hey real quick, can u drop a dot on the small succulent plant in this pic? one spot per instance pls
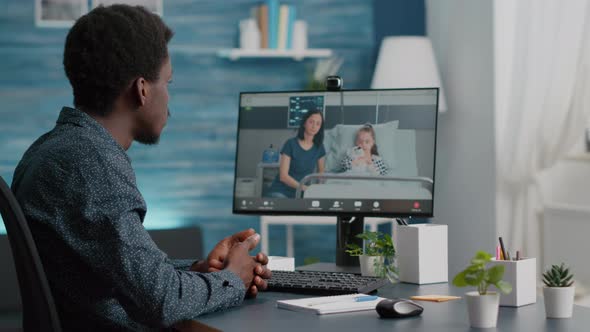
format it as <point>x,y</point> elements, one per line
<point>558,276</point>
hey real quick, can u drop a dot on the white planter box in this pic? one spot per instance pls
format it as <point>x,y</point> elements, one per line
<point>521,275</point>
<point>482,309</point>
<point>422,253</point>
<point>367,264</point>
<point>559,301</point>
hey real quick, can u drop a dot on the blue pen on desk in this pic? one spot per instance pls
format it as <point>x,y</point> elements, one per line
<point>365,298</point>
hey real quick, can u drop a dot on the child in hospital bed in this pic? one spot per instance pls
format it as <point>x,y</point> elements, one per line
<point>363,158</point>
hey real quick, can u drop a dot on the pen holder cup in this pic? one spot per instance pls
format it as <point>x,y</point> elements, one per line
<point>422,253</point>
<point>521,275</point>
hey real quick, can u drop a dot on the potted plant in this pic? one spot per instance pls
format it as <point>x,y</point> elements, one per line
<point>482,305</point>
<point>377,258</point>
<point>558,292</point>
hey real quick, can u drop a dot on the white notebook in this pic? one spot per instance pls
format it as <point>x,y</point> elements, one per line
<point>332,304</point>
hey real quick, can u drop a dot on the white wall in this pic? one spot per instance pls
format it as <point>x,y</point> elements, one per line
<point>462,37</point>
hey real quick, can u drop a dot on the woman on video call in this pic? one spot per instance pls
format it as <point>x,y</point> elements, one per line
<point>300,156</point>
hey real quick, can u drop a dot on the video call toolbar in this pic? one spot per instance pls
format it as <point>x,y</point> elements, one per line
<point>333,205</point>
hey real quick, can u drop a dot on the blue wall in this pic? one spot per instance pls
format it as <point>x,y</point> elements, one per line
<point>187,179</point>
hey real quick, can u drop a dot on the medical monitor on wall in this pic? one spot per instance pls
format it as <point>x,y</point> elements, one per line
<point>350,153</point>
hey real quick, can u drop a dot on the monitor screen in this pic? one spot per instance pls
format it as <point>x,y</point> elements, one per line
<point>350,152</point>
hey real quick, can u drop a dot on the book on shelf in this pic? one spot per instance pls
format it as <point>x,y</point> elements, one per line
<point>283,23</point>
<point>275,22</point>
<point>290,25</point>
<point>262,17</point>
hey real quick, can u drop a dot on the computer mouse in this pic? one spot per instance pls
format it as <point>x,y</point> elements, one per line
<point>398,308</point>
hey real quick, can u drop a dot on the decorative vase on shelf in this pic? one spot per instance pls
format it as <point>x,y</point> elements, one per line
<point>299,35</point>
<point>249,34</point>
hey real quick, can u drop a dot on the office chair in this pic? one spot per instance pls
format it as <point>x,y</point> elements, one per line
<point>39,312</point>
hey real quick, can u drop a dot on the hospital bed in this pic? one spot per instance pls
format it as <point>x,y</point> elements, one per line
<point>397,147</point>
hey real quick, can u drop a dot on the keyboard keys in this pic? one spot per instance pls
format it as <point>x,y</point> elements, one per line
<point>322,283</point>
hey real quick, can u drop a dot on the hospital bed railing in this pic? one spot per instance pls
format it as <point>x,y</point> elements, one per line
<point>426,182</point>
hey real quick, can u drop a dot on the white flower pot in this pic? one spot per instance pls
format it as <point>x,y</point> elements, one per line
<point>483,309</point>
<point>559,301</point>
<point>368,263</point>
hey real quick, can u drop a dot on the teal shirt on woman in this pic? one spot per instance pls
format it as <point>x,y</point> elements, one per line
<point>303,163</point>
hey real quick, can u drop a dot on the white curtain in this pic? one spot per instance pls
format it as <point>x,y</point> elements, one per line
<point>546,85</point>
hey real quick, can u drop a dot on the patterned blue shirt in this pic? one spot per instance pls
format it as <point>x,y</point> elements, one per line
<point>78,191</point>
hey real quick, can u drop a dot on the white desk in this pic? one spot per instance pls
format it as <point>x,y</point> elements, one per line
<point>289,221</point>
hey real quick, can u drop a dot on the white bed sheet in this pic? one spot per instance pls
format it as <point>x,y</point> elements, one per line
<point>368,189</point>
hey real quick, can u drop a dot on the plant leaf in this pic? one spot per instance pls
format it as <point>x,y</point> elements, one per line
<point>564,273</point>
<point>474,279</point>
<point>459,280</point>
<point>547,281</point>
<point>503,286</point>
<point>477,261</point>
<point>483,255</point>
<point>495,274</point>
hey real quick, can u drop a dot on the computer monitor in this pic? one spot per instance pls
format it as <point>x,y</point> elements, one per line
<point>350,154</point>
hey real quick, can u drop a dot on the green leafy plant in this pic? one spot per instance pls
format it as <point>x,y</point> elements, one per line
<point>377,244</point>
<point>315,85</point>
<point>477,275</point>
<point>558,276</point>
<point>323,68</point>
<point>311,260</point>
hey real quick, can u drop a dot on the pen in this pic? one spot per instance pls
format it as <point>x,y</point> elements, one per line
<point>365,298</point>
<point>503,249</point>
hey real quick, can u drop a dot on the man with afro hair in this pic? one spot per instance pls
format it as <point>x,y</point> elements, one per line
<point>78,191</point>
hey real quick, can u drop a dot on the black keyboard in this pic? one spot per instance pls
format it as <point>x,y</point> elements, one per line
<point>322,283</point>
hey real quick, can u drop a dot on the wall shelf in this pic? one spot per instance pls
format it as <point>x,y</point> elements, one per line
<point>237,53</point>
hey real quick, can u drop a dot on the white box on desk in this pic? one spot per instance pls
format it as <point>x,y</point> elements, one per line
<point>422,253</point>
<point>521,274</point>
<point>279,263</point>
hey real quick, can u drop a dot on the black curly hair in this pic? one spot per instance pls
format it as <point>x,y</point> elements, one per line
<point>110,47</point>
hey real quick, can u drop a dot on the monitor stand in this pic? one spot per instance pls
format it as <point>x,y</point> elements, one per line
<point>346,230</point>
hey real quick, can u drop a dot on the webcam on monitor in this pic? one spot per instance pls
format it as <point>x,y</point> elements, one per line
<point>334,83</point>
